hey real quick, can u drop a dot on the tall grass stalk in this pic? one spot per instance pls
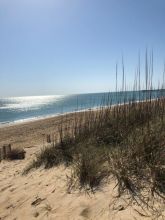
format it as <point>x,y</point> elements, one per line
<point>126,141</point>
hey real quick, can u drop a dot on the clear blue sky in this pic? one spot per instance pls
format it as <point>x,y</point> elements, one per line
<point>71,46</point>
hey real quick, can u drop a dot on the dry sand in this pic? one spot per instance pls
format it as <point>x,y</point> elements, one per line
<point>42,194</point>
<point>31,133</point>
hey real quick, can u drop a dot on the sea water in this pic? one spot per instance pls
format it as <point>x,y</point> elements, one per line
<point>18,109</point>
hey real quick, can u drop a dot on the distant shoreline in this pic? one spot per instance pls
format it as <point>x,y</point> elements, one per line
<point>30,133</point>
<point>25,110</point>
<point>41,118</point>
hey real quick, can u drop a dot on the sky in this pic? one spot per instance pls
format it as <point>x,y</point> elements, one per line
<point>53,47</point>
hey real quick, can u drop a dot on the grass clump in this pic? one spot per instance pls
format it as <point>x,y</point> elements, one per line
<point>53,155</point>
<point>89,169</point>
<point>16,154</point>
<point>48,157</point>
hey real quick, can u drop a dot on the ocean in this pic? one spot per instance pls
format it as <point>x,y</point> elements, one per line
<point>20,109</point>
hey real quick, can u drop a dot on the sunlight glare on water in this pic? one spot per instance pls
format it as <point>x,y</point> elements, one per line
<point>29,102</point>
<point>17,109</point>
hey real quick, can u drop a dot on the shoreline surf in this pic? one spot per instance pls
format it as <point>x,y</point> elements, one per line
<point>41,118</point>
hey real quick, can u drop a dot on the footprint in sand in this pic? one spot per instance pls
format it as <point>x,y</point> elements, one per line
<point>12,189</point>
<point>85,212</point>
<point>3,189</point>
<point>37,201</point>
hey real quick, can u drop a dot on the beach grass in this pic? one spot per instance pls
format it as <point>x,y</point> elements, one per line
<point>124,142</point>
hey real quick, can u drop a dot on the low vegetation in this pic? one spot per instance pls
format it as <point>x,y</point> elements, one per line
<point>16,154</point>
<point>125,142</point>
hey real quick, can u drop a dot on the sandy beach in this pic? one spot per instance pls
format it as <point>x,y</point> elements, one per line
<point>28,134</point>
<point>42,194</point>
<point>82,110</point>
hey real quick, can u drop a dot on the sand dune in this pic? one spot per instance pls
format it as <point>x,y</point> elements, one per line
<point>42,194</point>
